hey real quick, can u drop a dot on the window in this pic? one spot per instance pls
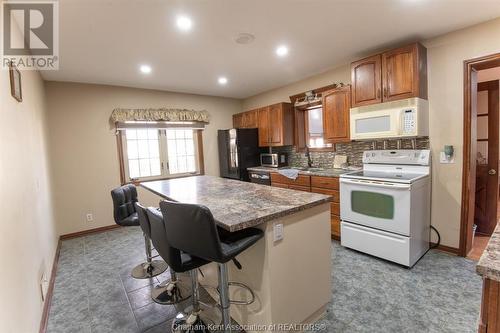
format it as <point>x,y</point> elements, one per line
<point>314,129</point>
<point>160,153</point>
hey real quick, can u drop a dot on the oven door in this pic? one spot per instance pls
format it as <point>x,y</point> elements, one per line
<point>381,205</point>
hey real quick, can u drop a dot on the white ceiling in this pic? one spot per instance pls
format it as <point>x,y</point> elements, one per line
<point>105,41</point>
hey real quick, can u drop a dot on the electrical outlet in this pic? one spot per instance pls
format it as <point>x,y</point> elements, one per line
<point>90,217</point>
<point>278,232</point>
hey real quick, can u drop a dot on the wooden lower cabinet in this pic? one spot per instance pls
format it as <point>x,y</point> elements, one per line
<point>490,307</point>
<point>316,184</point>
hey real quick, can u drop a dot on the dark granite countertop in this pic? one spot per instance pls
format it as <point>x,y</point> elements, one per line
<point>321,173</point>
<point>489,263</point>
<point>235,204</point>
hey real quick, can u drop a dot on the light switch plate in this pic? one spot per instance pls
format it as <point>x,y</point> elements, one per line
<point>444,160</point>
<point>278,232</point>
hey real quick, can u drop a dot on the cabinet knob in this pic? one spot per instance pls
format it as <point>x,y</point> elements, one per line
<point>492,172</point>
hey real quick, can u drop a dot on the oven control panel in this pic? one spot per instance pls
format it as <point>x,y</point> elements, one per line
<point>401,156</point>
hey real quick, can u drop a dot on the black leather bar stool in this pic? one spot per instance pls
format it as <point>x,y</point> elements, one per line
<point>151,267</point>
<point>171,291</point>
<point>125,214</point>
<point>192,229</point>
<point>198,315</point>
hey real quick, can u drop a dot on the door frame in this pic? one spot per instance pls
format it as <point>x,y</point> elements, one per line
<point>469,161</point>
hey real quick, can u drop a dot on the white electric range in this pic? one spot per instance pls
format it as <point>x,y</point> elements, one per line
<point>385,208</point>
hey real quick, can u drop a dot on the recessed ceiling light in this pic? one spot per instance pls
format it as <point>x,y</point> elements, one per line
<point>146,69</point>
<point>184,23</point>
<point>222,80</point>
<point>281,51</point>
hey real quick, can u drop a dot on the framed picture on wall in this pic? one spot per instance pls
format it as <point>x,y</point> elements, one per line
<point>15,83</point>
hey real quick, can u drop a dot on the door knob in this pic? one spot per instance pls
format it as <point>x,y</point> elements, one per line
<point>492,172</point>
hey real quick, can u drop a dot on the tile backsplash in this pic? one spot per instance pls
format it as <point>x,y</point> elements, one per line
<point>354,151</point>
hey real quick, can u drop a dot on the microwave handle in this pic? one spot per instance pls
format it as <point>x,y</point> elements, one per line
<point>376,184</point>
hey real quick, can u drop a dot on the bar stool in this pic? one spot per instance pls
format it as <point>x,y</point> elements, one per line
<point>198,314</point>
<point>126,215</point>
<point>192,229</point>
<point>150,268</point>
<point>170,291</point>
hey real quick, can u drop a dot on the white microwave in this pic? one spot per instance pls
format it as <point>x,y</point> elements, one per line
<point>399,119</point>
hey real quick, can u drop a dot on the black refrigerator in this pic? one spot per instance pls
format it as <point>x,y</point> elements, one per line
<point>238,150</point>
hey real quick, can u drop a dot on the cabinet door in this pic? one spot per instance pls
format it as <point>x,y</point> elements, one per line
<point>336,105</point>
<point>275,124</point>
<point>263,122</point>
<point>250,119</point>
<point>366,81</point>
<point>399,73</point>
<point>238,120</point>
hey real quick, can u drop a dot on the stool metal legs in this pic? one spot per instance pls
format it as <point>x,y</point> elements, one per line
<point>171,291</point>
<point>151,267</point>
<point>224,297</point>
<point>199,316</point>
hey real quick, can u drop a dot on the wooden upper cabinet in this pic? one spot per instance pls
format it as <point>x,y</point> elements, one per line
<point>245,119</point>
<point>275,118</point>
<point>238,120</point>
<point>396,74</point>
<point>263,122</point>
<point>366,81</point>
<point>336,106</point>
<point>275,125</point>
<point>404,73</point>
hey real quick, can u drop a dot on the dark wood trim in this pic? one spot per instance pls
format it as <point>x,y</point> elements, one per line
<point>444,248</point>
<point>50,291</point>
<point>482,115</point>
<point>201,158</point>
<point>121,161</point>
<point>337,238</point>
<point>89,232</point>
<point>468,165</point>
<point>487,85</point>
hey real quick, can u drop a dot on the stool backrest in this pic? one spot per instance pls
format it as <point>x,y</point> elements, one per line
<point>192,229</point>
<point>124,198</point>
<point>143,219</point>
<point>172,256</point>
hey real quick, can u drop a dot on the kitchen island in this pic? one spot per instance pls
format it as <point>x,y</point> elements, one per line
<point>291,277</point>
<point>489,268</point>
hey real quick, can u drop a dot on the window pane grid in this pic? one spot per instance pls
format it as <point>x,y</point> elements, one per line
<point>181,156</point>
<point>143,153</point>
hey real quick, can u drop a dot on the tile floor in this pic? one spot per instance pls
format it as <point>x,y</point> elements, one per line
<point>95,293</point>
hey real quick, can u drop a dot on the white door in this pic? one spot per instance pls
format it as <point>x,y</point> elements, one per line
<point>381,205</point>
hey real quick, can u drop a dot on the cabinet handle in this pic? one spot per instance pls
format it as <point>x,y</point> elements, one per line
<point>378,93</point>
<point>385,92</point>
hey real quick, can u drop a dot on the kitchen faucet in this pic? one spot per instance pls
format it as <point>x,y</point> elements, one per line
<point>309,159</point>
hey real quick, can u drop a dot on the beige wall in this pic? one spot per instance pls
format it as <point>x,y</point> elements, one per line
<point>83,147</point>
<point>27,230</point>
<point>445,69</point>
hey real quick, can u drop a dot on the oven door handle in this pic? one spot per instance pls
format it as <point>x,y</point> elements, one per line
<point>376,184</point>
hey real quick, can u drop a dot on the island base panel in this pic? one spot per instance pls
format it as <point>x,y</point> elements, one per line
<point>291,278</point>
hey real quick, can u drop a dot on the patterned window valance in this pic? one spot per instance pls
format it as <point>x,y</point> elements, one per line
<point>161,114</point>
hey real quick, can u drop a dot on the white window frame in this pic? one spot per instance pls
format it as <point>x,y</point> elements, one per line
<point>164,165</point>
